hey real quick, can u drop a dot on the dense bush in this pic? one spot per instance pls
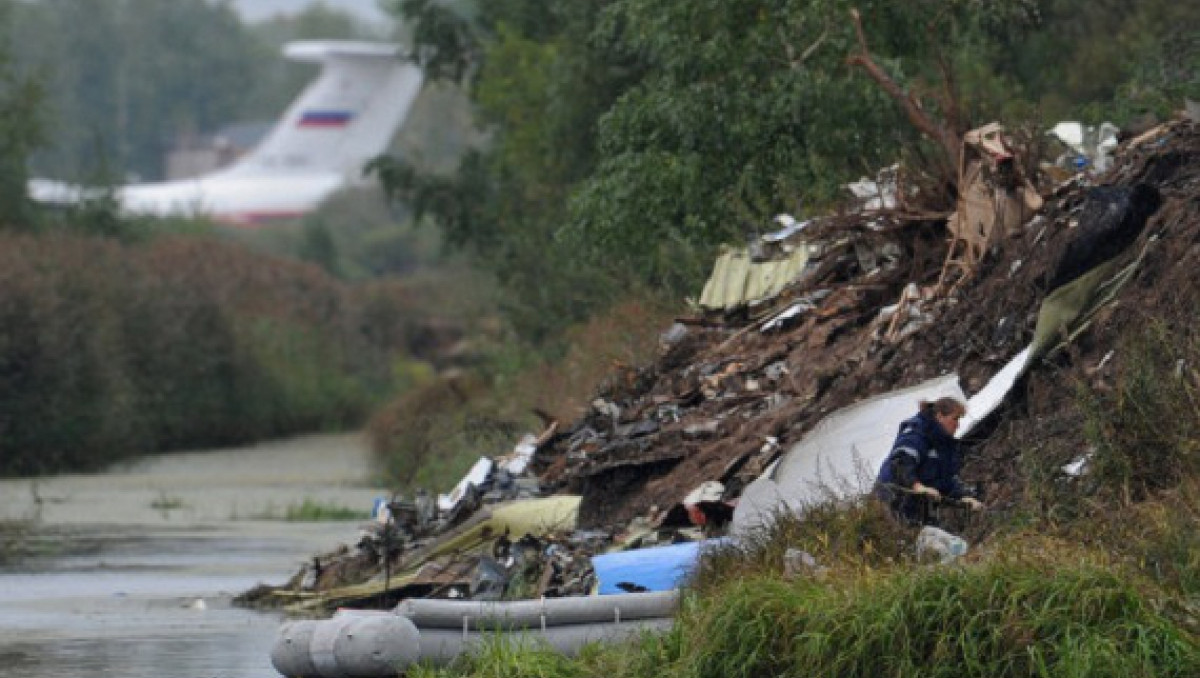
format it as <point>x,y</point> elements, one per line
<point>432,434</point>
<point>109,350</point>
<point>428,437</point>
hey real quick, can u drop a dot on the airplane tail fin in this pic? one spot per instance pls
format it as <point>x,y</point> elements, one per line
<point>343,118</point>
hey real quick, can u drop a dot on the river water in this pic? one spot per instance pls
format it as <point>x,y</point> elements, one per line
<point>135,568</point>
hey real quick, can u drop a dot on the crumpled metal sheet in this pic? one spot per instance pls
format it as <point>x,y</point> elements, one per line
<point>738,280</point>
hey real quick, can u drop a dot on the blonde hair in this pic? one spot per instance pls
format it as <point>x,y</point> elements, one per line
<point>943,406</point>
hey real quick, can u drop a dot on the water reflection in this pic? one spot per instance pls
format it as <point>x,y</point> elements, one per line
<point>131,624</point>
<point>212,655</point>
<point>117,593</point>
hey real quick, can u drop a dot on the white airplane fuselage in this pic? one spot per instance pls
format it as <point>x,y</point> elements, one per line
<point>343,119</point>
<point>237,200</point>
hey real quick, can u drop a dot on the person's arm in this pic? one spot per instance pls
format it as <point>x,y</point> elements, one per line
<point>966,495</point>
<point>904,469</point>
<point>959,489</point>
<point>907,454</point>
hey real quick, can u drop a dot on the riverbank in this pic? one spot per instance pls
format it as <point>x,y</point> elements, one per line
<point>247,484</point>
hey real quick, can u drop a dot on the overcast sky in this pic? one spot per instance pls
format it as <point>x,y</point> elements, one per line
<point>257,10</point>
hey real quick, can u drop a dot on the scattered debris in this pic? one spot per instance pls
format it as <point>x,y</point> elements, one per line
<point>797,563</point>
<point>936,543</point>
<point>1088,146</point>
<point>995,201</point>
<point>841,333</point>
<point>1077,467</point>
<point>743,279</point>
<point>813,343</point>
<point>656,568</point>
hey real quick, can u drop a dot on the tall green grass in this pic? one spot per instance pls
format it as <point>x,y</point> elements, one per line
<point>1005,618</point>
<point>1025,604</point>
<point>1137,424</point>
<point>1008,618</point>
<point>1145,429</point>
<point>850,535</point>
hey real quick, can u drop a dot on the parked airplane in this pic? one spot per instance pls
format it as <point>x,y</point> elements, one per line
<point>340,121</point>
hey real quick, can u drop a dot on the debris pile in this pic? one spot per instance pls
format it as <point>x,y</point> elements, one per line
<point>866,306</point>
<point>494,536</point>
<point>494,530</point>
<point>889,296</point>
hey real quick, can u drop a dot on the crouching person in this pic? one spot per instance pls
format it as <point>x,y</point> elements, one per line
<point>922,468</point>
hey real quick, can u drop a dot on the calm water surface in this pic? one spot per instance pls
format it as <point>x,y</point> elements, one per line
<point>139,564</point>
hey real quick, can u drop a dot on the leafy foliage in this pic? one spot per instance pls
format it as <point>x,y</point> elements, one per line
<point>21,132</point>
<point>632,137</point>
<point>447,44</point>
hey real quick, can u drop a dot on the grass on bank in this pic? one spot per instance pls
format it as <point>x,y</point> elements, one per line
<point>310,511</point>
<point>1020,614</point>
<point>13,539</point>
<point>165,503</point>
<point>307,511</point>
<point>1138,496</point>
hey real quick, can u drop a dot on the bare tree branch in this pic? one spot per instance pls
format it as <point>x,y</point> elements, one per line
<point>793,61</point>
<point>947,139</point>
<point>813,47</point>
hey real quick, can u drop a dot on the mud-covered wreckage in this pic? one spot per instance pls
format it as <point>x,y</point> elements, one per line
<point>806,350</point>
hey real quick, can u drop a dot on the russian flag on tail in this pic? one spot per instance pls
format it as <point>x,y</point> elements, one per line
<point>325,119</point>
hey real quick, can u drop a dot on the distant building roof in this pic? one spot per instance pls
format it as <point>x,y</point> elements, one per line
<point>243,135</point>
<point>194,156</point>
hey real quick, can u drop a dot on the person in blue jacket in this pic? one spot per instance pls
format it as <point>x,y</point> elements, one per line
<point>922,468</point>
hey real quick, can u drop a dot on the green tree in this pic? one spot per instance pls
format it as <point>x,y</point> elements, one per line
<point>187,64</point>
<point>79,61</point>
<point>629,138</point>
<point>135,75</point>
<point>21,132</point>
<point>317,246</point>
<point>538,89</point>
